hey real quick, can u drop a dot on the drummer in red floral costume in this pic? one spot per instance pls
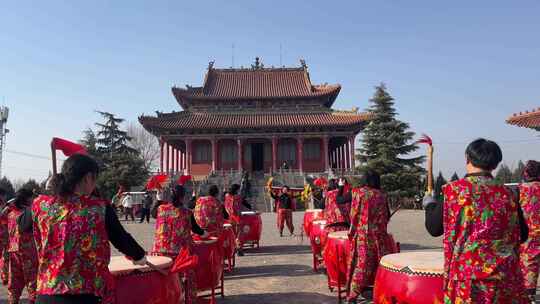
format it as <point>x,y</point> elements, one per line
<point>72,231</point>
<point>174,225</point>
<point>529,199</point>
<point>4,255</point>
<point>337,207</point>
<point>22,250</point>
<point>209,212</point>
<point>233,205</point>
<point>482,229</point>
<point>369,218</point>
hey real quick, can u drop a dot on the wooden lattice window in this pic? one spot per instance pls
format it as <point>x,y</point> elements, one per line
<point>312,150</point>
<point>202,153</point>
<point>229,153</point>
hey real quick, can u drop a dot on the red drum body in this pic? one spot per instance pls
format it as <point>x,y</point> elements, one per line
<point>336,254</point>
<point>311,215</point>
<point>229,245</point>
<point>250,228</point>
<point>210,269</point>
<point>318,236</point>
<point>411,277</point>
<point>142,285</point>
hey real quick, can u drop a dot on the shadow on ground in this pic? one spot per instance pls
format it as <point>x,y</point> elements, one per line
<point>279,250</point>
<point>269,270</point>
<point>281,298</point>
<point>407,246</point>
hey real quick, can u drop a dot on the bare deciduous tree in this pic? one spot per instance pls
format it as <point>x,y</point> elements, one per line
<point>146,143</point>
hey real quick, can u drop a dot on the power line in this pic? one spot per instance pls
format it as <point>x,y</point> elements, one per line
<point>28,154</point>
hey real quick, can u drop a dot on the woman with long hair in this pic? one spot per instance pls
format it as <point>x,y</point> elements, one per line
<point>21,247</point>
<point>369,218</point>
<point>72,230</point>
<point>174,225</point>
<point>209,212</point>
<point>529,200</point>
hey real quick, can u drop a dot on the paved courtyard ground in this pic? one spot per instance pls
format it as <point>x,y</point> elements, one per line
<point>280,271</point>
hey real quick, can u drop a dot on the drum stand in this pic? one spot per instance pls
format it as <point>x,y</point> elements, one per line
<point>213,293</point>
<point>229,263</point>
<point>341,293</point>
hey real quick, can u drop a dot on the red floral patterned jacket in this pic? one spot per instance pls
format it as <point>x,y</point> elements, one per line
<point>481,230</point>
<point>173,230</point>
<point>232,205</point>
<point>73,246</point>
<point>334,212</point>
<point>209,215</point>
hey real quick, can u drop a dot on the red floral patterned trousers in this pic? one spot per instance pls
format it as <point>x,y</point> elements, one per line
<point>4,266</point>
<point>284,216</point>
<point>22,273</point>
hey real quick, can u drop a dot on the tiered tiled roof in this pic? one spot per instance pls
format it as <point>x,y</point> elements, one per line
<point>257,83</point>
<point>528,119</point>
<point>276,121</point>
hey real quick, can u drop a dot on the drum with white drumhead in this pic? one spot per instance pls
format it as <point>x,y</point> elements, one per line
<point>142,284</point>
<point>410,277</point>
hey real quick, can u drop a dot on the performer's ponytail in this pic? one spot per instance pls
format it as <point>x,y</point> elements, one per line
<point>74,169</point>
<point>178,194</point>
<point>531,172</point>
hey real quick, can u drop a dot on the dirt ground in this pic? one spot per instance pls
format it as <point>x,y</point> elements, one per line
<point>280,270</point>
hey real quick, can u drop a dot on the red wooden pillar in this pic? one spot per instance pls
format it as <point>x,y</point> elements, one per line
<point>300,153</point>
<point>166,169</point>
<point>161,143</point>
<point>214,154</point>
<point>325,155</point>
<point>274,153</point>
<point>351,146</point>
<point>347,155</point>
<point>240,154</point>
<point>342,156</point>
<point>177,160</point>
<point>188,155</point>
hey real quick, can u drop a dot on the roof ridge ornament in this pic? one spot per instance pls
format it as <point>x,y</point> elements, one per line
<point>303,63</point>
<point>258,64</point>
<point>211,64</point>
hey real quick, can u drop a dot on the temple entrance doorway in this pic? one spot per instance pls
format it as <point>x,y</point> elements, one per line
<point>257,156</point>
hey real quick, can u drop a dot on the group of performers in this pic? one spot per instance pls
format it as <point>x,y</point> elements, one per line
<point>57,245</point>
<point>491,237</point>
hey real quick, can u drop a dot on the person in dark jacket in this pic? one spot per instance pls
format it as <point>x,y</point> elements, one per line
<point>284,206</point>
<point>147,203</point>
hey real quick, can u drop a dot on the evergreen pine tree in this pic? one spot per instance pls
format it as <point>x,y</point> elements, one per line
<point>386,141</point>
<point>454,177</point>
<point>439,183</point>
<point>518,172</point>
<point>110,138</point>
<point>6,184</point>
<point>90,142</point>
<point>122,164</point>
<point>33,185</point>
<point>504,174</point>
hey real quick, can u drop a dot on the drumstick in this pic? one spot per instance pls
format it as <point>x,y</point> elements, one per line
<point>394,212</point>
<point>154,267</point>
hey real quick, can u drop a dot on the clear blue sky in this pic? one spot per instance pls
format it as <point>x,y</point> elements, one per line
<point>457,69</point>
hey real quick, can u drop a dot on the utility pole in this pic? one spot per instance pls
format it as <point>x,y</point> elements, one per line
<point>4,113</point>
